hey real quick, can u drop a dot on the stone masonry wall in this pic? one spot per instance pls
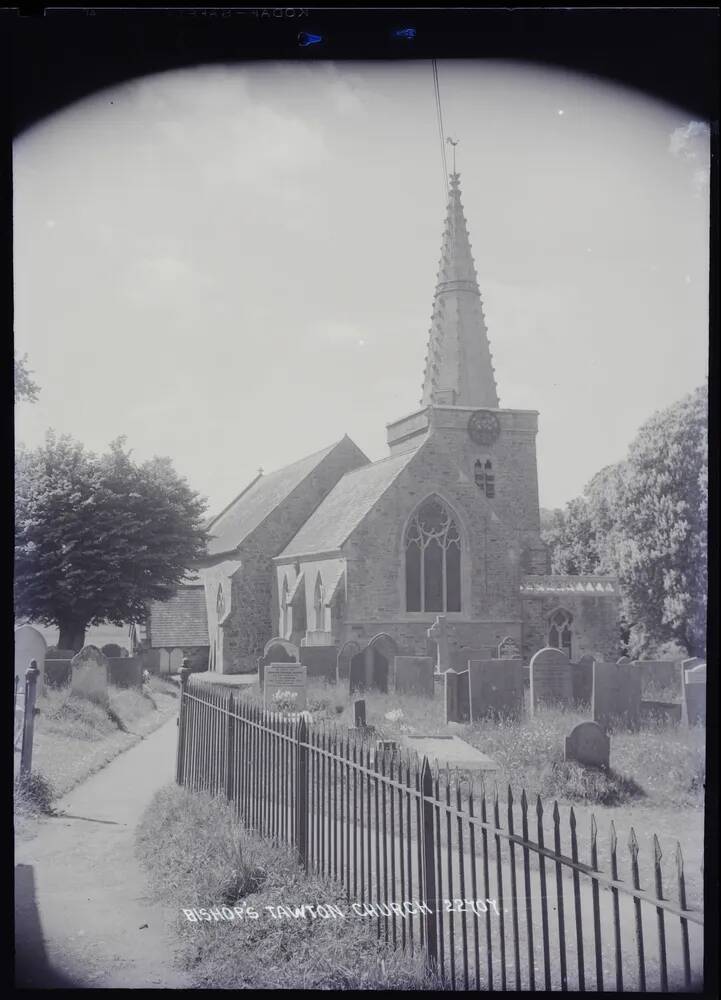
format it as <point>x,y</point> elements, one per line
<point>594,627</point>
<point>254,617</point>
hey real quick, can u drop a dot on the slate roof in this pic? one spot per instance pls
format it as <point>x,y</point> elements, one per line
<point>180,621</point>
<point>251,507</point>
<point>346,505</point>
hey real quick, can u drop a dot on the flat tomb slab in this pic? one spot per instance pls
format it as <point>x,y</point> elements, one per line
<point>451,750</point>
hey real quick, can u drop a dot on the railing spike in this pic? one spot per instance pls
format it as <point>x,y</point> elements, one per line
<point>594,828</point>
<point>510,795</point>
<point>539,806</point>
<point>679,857</point>
<point>524,800</point>
<point>614,838</point>
<point>572,819</point>
<point>632,842</point>
<point>556,813</point>
<point>657,853</point>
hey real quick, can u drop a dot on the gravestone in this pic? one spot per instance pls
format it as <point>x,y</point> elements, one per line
<point>57,672</point>
<point>509,649</point>
<point>369,668</point>
<point>457,695</point>
<point>589,745</point>
<point>125,671</point>
<point>89,674</point>
<point>462,655</point>
<point>289,677</point>
<point>321,661</point>
<point>359,713</point>
<point>276,651</point>
<point>345,654</point>
<point>623,659</point>
<point>616,694</point>
<point>551,678</point>
<point>496,688</point>
<point>30,645</point>
<point>413,675</point>
<point>659,674</point>
<point>438,633</point>
<point>582,677</point>
<point>694,695</point>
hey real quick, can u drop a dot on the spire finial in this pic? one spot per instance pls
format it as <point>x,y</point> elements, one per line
<point>454,143</point>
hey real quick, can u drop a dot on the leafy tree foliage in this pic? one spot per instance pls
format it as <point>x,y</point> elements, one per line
<point>25,388</point>
<point>645,521</point>
<point>99,536</point>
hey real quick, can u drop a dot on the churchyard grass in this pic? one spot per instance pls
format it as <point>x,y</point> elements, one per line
<point>75,737</point>
<point>198,856</point>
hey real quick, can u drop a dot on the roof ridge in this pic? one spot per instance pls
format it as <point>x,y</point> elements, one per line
<point>273,472</point>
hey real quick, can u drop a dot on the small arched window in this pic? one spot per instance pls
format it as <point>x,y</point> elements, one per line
<point>318,604</point>
<point>484,477</point>
<point>220,603</point>
<point>432,547</point>
<point>559,630</point>
<point>284,614</point>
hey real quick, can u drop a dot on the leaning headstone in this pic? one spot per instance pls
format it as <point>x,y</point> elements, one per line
<point>589,745</point>
<point>285,682</point>
<point>438,633</point>
<point>582,678</point>
<point>616,694</point>
<point>276,651</point>
<point>551,679</point>
<point>496,688</point>
<point>509,649</point>
<point>359,713</point>
<point>345,654</point>
<point>30,645</point>
<point>457,696</point>
<point>89,674</point>
<point>369,668</point>
<point>694,695</point>
<point>413,675</point>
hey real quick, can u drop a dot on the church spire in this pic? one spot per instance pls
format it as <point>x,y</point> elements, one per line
<point>458,365</point>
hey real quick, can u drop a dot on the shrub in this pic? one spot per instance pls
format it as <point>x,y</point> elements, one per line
<point>33,793</point>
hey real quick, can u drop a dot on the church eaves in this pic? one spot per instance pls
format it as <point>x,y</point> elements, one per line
<point>458,370</point>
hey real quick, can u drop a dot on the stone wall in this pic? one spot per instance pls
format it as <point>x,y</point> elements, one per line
<point>254,600</point>
<point>595,623</point>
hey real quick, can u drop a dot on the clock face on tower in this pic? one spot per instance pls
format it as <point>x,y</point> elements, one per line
<point>484,427</point>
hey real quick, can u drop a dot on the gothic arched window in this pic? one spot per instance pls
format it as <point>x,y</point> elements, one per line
<point>284,609</point>
<point>559,630</point>
<point>318,602</point>
<point>485,479</point>
<point>220,603</point>
<point>433,559</point>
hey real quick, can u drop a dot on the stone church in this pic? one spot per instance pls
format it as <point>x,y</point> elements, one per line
<point>335,547</point>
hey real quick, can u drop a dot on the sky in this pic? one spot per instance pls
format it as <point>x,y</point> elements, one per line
<point>234,266</point>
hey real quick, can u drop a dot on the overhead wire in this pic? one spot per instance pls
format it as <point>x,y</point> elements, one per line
<point>439,121</point>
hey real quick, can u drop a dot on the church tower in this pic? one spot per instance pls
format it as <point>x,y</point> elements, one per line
<point>458,364</point>
<point>493,449</point>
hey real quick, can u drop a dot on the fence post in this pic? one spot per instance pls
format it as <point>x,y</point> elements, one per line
<point>229,746</point>
<point>429,870</point>
<point>31,681</point>
<point>301,793</point>
<point>182,724</point>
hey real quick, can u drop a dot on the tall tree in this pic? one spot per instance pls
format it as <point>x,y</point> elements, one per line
<point>25,387</point>
<point>644,521</point>
<point>96,537</point>
<point>660,546</point>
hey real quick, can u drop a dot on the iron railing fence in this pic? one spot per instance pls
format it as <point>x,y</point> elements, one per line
<point>440,863</point>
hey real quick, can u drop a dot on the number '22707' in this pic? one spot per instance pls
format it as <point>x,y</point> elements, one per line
<point>477,906</point>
